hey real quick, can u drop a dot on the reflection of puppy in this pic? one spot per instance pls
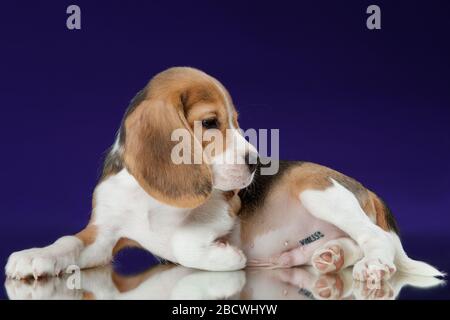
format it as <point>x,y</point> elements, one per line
<point>177,282</point>
<point>298,283</point>
<point>306,284</point>
<point>159,282</point>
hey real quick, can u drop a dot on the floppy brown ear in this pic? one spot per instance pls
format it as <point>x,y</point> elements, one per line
<point>147,156</point>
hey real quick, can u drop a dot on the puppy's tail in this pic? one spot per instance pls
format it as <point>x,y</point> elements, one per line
<point>386,220</point>
<point>410,266</point>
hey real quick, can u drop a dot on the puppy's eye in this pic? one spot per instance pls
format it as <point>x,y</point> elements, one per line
<point>210,123</point>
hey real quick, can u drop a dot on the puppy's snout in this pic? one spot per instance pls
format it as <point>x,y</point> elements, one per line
<point>251,160</point>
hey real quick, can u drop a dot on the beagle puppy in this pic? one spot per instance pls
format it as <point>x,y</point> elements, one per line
<point>190,214</point>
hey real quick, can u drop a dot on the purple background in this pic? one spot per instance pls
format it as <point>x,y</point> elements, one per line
<point>372,104</point>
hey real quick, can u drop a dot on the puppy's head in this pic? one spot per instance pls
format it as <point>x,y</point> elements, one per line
<point>189,100</point>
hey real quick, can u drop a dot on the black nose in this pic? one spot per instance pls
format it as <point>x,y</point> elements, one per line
<point>251,160</point>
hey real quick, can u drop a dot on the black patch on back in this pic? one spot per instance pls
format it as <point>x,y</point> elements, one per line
<point>255,194</point>
<point>113,160</point>
<point>112,163</point>
<point>351,185</point>
<point>137,100</point>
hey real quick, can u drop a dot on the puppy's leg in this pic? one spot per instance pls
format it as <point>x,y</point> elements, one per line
<point>197,247</point>
<point>197,243</point>
<point>340,207</point>
<point>90,247</point>
<point>336,255</point>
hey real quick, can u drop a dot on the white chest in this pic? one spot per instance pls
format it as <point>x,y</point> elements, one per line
<point>123,205</point>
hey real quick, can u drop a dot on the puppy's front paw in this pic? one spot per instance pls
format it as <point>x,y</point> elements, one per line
<point>373,270</point>
<point>36,263</point>
<point>224,257</point>
<point>48,261</point>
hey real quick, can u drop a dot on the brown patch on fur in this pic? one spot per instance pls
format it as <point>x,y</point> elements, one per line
<point>228,195</point>
<point>204,111</point>
<point>379,212</point>
<point>369,209</point>
<point>234,202</point>
<point>87,295</point>
<point>127,283</point>
<point>124,243</point>
<point>311,176</point>
<point>235,119</point>
<point>383,215</point>
<point>170,98</point>
<point>88,234</point>
<point>147,157</point>
<point>317,177</point>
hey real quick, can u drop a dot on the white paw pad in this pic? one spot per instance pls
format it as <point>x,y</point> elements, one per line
<point>328,259</point>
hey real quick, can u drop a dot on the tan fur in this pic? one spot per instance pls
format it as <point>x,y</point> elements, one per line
<point>311,176</point>
<point>234,201</point>
<point>317,177</point>
<point>124,243</point>
<point>127,283</point>
<point>379,211</point>
<point>88,234</point>
<point>147,155</point>
<point>88,295</point>
<point>175,99</point>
